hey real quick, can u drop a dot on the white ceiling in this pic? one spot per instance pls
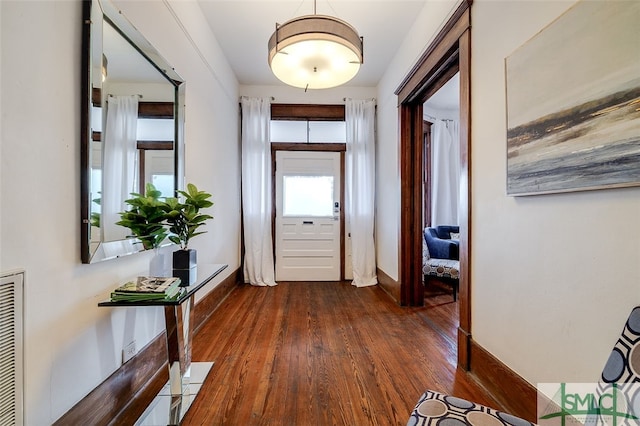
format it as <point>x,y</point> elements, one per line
<point>243,28</point>
<point>447,98</point>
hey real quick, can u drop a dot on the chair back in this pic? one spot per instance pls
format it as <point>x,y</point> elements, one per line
<point>622,370</point>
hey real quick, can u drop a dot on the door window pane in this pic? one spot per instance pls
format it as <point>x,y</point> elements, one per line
<point>96,185</point>
<point>158,169</point>
<point>307,195</point>
<point>288,131</point>
<point>164,184</point>
<point>308,131</point>
<point>96,119</point>
<point>327,131</point>
<point>155,129</point>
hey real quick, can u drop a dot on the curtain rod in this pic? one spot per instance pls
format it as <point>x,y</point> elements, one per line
<point>436,118</point>
<point>273,99</point>
<point>138,95</point>
<point>368,99</point>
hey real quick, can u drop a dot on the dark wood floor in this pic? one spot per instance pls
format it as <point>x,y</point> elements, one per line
<point>441,310</point>
<point>323,354</point>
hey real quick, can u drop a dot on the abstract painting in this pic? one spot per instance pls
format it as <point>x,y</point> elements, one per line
<point>573,102</point>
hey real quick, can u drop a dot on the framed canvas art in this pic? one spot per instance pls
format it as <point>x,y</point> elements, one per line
<point>573,102</point>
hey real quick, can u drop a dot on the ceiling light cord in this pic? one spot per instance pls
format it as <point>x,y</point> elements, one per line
<point>334,11</point>
<point>297,9</point>
<point>315,8</point>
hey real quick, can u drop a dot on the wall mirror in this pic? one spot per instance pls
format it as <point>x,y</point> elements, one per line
<point>132,128</point>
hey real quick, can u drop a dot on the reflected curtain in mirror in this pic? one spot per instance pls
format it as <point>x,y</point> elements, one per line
<point>120,162</point>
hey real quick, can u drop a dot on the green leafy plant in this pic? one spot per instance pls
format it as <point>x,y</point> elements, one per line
<point>95,216</point>
<point>184,218</point>
<point>146,217</point>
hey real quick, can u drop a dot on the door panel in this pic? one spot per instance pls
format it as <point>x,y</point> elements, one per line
<point>307,216</point>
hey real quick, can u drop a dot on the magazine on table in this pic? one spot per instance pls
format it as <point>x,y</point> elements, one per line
<point>145,297</point>
<point>159,285</point>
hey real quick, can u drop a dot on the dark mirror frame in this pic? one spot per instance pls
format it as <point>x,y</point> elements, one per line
<point>96,12</point>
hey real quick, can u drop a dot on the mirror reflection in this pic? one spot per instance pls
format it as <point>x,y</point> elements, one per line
<point>134,132</point>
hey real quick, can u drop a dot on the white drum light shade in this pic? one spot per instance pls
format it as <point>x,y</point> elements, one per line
<point>315,52</point>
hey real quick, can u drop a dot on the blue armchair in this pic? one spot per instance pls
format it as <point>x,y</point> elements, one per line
<point>440,244</point>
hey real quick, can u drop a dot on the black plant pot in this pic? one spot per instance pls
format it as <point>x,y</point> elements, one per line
<point>185,266</point>
<point>184,259</point>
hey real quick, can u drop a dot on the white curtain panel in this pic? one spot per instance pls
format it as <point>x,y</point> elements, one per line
<point>120,168</point>
<point>256,192</point>
<point>360,188</point>
<point>445,169</point>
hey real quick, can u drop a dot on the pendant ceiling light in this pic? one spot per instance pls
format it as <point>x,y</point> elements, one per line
<point>315,52</point>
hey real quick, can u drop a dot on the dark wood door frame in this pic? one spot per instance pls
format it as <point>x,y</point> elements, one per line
<point>426,173</point>
<point>449,53</point>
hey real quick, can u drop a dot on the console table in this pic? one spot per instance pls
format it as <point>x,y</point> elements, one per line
<point>185,378</point>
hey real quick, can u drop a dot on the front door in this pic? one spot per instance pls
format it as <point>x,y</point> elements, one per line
<point>307,216</point>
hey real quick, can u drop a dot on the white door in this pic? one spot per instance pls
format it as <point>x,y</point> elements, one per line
<point>307,216</point>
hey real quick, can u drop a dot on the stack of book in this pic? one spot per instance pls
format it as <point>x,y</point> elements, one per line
<point>145,289</point>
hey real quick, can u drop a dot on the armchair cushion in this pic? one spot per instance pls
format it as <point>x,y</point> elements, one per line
<point>441,248</point>
<point>447,270</point>
<point>622,369</point>
<point>623,365</point>
<point>435,408</point>
<point>425,251</point>
<point>441,268</point>
<point>445,231</point>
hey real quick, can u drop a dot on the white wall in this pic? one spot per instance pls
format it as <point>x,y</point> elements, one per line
<point>432,17</point>
<point>554,276</point>
<point>71,345</point>
<point>1,134</point>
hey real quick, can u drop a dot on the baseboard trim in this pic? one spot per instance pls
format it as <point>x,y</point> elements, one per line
<point>124,395</point>
<point>389,285</point>
<point>516,395</point>
<point>464,349</point>
<point>210,302</point>
<point>116,395</point>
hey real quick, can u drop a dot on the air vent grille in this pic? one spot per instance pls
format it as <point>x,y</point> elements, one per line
<point>11,349</point>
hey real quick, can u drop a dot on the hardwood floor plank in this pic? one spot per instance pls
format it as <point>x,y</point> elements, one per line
<point>443,311</point>
<point>322,354</point>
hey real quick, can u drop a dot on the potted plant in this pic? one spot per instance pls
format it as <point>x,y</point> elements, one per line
<point>184,220</point>
<point>146,217</point>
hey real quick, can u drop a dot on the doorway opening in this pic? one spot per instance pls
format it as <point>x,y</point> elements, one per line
<point>448,54</point>
<point>440,188</point>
